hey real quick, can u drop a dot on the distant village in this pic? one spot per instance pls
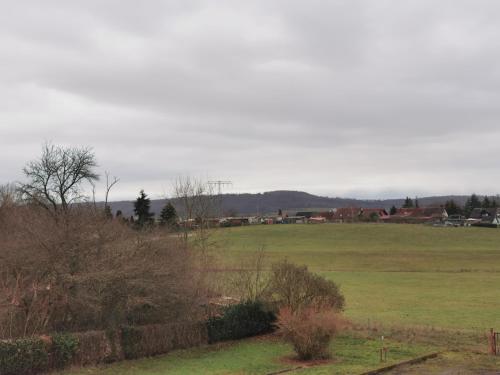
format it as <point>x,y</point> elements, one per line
<point>437,216</point>
<point>474,212</point>
<point>486,214</point>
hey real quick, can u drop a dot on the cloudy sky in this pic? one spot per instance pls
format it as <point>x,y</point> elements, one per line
<point>340,98</point>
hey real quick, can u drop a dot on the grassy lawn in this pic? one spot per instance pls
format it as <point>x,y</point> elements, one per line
<point>399,276</point>
<point>392,274</point>
<point>260,356</point>
<point>454,363</point>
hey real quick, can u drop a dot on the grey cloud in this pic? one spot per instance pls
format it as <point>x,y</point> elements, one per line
<point>346,95</point>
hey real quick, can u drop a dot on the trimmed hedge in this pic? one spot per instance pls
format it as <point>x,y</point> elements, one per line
<point>23,356</point>
<point>239,321</point>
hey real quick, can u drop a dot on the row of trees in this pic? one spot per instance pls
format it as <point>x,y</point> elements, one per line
<point>452,207</point>
<point>146,218</point>
<point>471,203</point>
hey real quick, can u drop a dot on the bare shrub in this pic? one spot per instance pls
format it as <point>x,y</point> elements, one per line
<point>80,270</point>
<point>309,331</point>
<point>295,287</point>
<point>251,281</point>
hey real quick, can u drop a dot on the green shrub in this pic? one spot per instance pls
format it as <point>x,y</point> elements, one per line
<point>239,321</point>
<point>64,347</point>
<point>23,356</point>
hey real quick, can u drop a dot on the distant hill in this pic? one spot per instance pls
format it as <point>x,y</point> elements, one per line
<point>271,202</point>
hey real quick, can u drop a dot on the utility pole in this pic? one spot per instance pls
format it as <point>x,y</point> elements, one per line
<point>220,184</point>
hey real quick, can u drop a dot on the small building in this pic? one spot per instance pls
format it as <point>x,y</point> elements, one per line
<point>419,215</point>
<point>373,214</point>
<point>485,217</point>
<point>294,219</point>
<point>456,221</point>
<point>233,221</point>
<point>316,220</point>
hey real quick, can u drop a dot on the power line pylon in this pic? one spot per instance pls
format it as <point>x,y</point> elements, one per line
<point>220,184</point>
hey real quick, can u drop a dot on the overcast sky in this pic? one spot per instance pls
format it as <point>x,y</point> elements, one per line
<point>340,98</point>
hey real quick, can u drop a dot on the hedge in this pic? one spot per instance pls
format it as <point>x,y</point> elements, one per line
<point>239,321</point>
<point>63,350</point>
<point>23,356</point>
<point>34,355</point>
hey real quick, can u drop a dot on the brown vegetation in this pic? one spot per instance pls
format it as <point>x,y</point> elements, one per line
<point>310,331</point>
<point>77,270</point>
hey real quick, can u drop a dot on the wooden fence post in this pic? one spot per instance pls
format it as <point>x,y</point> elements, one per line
<point>493,342</point>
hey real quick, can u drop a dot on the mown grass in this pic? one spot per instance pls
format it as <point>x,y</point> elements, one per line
<point>351,355</point>
<point>389,273</point>
<point>398,276</point>
<point>454,363</point>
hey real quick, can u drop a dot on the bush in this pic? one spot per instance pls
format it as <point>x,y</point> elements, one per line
<point>295,287</point>
<point>23,356</point>
<point>309,331</point>
<point>64,347</point>
<point>239,321</point>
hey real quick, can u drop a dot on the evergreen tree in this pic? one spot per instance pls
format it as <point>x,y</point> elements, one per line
<point>408,203</point>
<point>142,206</point>
<point>471,203</point>
<point>452,208</point>
<point>168,215</point>
<point>416,203</point>
<point>494,203</point>
<point>486,202</point>
<point>393,210</point>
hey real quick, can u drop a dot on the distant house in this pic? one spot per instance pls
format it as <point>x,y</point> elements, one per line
<point>456,220</point>
<point>356,214</point>
<point>419,215</point>
<point>485,217</point>
<point>344,215</point>
<point>298,219</point>
<point>373,214</point>
<point>316,220</point>
<point>234,221</point>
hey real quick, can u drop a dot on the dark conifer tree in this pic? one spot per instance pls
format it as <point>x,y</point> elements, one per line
<point>393,210</point>
<point>452,208</point>
<point>408,203</point>
<point>142,207</point>
<point>168,215</point>
<point>486,202</point>
<point>471,203</point>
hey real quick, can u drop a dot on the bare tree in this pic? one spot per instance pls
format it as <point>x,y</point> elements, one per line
<point>8,194</point>
<point>54,180</point>
<point>109,186</point>
<point>197,205</point>
<point>252,282</point>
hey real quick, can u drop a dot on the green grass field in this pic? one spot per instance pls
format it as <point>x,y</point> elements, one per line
<point>391,274</point>
<point>261,356</point>
<point>394,277</point>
